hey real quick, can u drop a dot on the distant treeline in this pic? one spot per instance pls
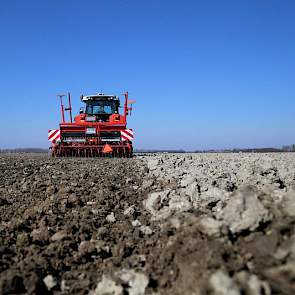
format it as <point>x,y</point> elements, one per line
<point>254,150</point>
<point>289,148</point>
<point>24,150</point>
<point>159,151</point>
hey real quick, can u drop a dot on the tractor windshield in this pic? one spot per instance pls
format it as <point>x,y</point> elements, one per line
<point>101,107</point>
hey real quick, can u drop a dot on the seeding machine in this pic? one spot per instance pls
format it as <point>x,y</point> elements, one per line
<point>98,130</point>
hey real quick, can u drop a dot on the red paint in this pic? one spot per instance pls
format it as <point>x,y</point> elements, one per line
<point>93,145</point>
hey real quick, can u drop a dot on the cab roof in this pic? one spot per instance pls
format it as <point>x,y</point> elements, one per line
<point>99,96</point>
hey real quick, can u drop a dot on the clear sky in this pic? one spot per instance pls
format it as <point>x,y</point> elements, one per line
<point>205,74</point>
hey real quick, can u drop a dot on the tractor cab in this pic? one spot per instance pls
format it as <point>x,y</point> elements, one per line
<point>100,107</point>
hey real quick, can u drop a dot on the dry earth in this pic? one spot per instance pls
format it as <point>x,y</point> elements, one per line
<point>154,224</point>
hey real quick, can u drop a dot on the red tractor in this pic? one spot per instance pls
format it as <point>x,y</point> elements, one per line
<point>98,130</point>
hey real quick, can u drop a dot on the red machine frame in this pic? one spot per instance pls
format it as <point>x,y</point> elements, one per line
<point>94,147</point>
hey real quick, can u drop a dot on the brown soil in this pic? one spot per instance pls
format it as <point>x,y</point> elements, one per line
<point>56,219</point>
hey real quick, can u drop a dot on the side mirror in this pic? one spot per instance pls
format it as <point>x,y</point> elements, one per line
<point>82,110</point>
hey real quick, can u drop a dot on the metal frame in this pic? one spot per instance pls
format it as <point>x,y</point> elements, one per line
<point>93,146</point>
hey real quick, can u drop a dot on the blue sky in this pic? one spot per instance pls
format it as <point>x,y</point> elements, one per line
<point>205,74</point>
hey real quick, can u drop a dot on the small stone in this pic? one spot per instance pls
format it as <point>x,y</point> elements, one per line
<point>50,282</point>
<point>136,223</point>
<point>146,230</point>
<point>111,218</point>
<point>257,286</point>
<point>179,203</point>
<point>58,236</point>
<point>107,287</point>
<point>188,179</point>
<point>94,211</point>
<point>90,203</point>
<point>136,281</point>
<point>222,284</point>
<point>129,211</point>
<point>210,226</point>
<point>153,200</point>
